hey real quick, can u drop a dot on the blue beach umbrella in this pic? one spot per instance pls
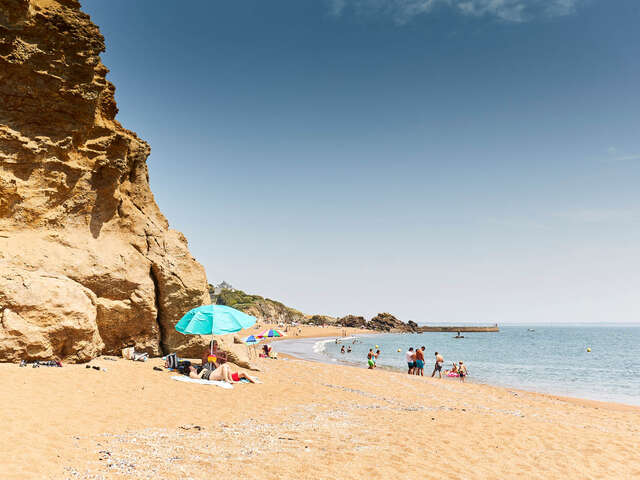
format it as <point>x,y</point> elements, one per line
<point>214,320</point>
<point>251,339</point>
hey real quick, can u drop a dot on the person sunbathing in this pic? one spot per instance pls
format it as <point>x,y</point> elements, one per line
<point>222,373</point>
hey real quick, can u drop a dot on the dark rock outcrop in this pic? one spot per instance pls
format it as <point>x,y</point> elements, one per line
<point>352,321</point>
<point>385,322</point>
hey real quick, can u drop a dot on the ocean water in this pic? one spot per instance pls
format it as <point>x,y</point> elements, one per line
<point>550,359</point>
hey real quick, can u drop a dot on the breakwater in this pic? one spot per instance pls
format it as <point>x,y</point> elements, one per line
<point>467,328</point>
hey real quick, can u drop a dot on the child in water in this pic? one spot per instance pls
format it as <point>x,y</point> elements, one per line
<point>462,371</point>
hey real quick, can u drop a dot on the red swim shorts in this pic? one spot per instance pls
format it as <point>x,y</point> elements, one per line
<point>235,377</point>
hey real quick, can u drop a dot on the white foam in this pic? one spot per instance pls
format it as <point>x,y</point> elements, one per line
<point>321,346</point>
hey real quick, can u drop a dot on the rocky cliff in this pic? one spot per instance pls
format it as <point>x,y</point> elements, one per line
<point>264,309</point>
<point>88,263</point>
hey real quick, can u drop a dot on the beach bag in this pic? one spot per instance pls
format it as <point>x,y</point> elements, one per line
<point>127,353</point>
<point>171,361</point>
<point>183,367</point>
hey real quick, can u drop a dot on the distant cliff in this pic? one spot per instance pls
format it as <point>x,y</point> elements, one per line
<point>272,311</point>
<point>264,309</point>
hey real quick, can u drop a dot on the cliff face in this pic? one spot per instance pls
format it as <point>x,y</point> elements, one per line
<point>88,263</point>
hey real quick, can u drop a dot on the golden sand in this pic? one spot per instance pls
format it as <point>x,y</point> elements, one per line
<point>306,420</point>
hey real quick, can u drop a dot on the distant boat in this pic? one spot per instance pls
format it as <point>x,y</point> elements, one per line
<point>459,336</point>
<point>531,330</point>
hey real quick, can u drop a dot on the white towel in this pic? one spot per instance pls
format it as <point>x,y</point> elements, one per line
<point>202,381</point>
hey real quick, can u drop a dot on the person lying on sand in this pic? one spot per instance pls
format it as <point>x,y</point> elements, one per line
<point>222,373</point>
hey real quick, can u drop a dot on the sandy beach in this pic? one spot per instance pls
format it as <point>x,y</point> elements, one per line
<point>306,420</point>
<point>306,331</point>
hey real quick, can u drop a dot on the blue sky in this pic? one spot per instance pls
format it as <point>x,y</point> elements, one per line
<point>443,160</point>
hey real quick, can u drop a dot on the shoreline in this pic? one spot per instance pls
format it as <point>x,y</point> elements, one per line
<point>316,357</point>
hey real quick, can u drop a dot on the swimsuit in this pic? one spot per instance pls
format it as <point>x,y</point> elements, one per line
<point>420,364</point>
<point>371,363</point>
<point>206,374</point>
<point>235,377</point>
<point>438,366</point>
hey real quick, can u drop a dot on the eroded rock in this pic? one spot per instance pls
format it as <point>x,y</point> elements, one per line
<point>77,217</point>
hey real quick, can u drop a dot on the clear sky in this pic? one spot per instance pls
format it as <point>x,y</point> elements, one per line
<point>442,160</point>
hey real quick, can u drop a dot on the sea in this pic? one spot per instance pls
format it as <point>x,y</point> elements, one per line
<point>591,362</point>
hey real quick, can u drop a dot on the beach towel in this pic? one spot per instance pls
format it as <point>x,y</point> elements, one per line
<point>202,381</point>
<point>244,380</point>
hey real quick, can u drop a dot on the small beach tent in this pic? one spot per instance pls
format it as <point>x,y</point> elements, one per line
<point>270,333</point>
<point>214,320</point>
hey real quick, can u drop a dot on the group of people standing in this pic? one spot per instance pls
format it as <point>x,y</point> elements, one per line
<point>415,363</point>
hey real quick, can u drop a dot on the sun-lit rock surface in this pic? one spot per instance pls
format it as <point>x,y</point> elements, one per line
<point>88,263</point>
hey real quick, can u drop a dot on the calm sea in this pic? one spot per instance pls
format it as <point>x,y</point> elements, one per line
<point>547,359</point>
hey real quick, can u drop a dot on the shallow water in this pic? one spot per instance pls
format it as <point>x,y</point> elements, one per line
<point>550,359</point>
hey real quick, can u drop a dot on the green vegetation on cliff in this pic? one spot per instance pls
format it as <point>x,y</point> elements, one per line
<point>262,308</point>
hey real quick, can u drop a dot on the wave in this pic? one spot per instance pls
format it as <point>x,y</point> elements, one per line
<point>321,346</point>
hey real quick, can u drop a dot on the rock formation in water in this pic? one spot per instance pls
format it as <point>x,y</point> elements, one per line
<point>88,263</point>
<point>385,322</point>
